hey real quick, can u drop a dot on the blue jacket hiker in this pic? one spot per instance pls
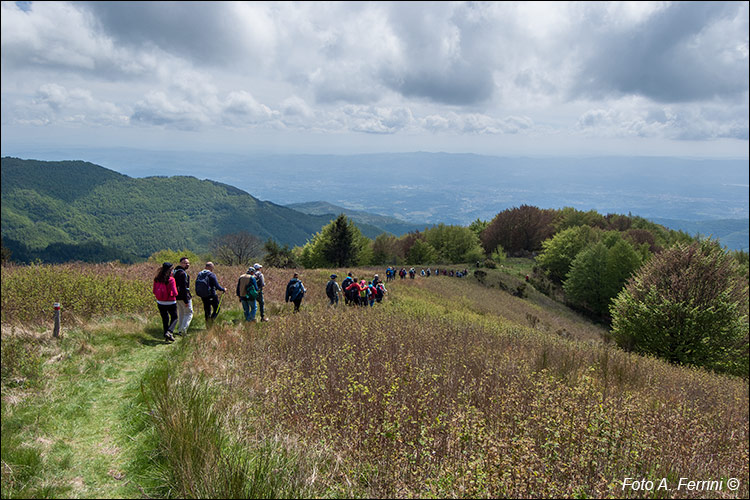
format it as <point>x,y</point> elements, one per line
<point>206,285</point>
<point>247,291</point>
<point>295,291</point>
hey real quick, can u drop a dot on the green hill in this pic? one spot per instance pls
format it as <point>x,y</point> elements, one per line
<point>85,208</point>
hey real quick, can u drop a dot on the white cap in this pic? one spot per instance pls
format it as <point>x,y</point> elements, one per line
<point>257,266</point>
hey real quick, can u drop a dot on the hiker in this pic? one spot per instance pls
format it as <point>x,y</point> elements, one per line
<point>375,280</point>
<point>261,281</point>
<point>165,291</point>
<point>371,292</point>
<point>247,291</point>
<point>344,285</point>
<point>412,272</point>
<point>295,291</point>
<point>184,298</point>
<point>206,285</point>
<point>332,291</point>
<point>353,292</point>
<point>380,292</point>
<point>363,292</point>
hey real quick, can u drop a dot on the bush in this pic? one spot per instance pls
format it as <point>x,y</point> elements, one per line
<point>688,305</point>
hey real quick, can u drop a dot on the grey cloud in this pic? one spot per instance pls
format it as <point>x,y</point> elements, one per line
<point>679,54</point>
<point>204,31</point>
<point>447,54</point>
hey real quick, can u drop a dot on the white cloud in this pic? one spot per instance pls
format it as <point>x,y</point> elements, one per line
<point>667,71</point>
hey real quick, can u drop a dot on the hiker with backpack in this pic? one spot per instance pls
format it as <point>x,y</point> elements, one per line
<point>332,291</point>
<point>380,292</point>
<point>261,280</point>
<point>184,298</point>
<point>354,291</point>
<point>165,291</point>
<point>206,285</point>
<point>247,291</point>
<point>345,285</point>
<point>295,291</point>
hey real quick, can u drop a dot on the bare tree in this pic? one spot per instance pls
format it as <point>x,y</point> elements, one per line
<point>237,248</point>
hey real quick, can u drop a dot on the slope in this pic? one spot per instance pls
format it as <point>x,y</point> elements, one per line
<point>76,202</point>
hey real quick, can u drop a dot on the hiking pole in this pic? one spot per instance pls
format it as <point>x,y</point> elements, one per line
<point>218,308</point>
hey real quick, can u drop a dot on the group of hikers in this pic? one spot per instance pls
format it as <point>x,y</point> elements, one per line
<point>174,300</point>
<point>356,293</point>
<point>390,273</point>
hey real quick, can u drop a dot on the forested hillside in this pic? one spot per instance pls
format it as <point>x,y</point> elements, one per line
<point>74,207</point>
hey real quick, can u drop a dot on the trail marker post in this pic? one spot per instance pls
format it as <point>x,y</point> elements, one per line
<point>56,331</point>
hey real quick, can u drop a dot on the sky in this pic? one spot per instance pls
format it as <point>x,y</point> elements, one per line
<point>501,78</point>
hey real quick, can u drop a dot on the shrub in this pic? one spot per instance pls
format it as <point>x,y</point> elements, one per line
<point>688,305</point>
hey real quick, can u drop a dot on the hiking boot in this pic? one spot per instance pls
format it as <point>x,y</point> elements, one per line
<point>169,337</point>
<point>180,334</point>
<point>264,319</point>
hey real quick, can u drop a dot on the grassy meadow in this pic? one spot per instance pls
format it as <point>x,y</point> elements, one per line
<point>449,388</point>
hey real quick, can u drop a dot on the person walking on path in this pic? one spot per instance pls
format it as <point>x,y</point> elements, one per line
<point>247,291</point>
<point>165,291</point>
<point>295,291</point>
<point>184,298</point>
<point>206,285</point>
<point>261,284</point>
<point>332,291</point>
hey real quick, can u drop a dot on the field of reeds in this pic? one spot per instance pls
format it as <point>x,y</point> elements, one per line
<point>446,389</point>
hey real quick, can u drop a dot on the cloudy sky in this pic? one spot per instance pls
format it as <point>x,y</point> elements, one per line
<point>661,78</point>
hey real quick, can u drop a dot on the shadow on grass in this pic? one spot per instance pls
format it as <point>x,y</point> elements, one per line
<point>154,336</point>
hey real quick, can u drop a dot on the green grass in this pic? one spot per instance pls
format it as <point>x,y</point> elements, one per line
<point>79,430</point>
<point>449,388</point>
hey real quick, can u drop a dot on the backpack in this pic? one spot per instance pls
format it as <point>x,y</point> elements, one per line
<point>379,293</point>
<point>297,291</point>
<point>330,289</point>
<point>251,290</point>
<point>202,288</point>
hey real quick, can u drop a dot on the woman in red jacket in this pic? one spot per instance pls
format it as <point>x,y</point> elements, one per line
<point>165,291</point>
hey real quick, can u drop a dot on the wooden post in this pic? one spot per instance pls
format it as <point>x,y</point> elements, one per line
<point>56,332</point>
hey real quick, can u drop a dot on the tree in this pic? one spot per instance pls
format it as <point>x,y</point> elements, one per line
<point>598,273</point>
<point>338,244</point>
<point>519,230</point>
<point>559,251</point>
<point>454,244</point>
<point>688,305</point>
<point>386,250</point>
<point>237,248</point>
<point>421,252</point>
<point>277,256</point>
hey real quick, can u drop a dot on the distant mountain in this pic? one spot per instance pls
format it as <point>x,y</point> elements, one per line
<point>373,224</point>
<point>731,233</point>
<point>79,206</point>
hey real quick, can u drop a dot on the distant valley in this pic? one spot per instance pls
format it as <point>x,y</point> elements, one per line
<point>429,188</point>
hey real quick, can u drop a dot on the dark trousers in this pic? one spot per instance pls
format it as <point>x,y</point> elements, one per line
<point>210,307</point>
<point>297,302</point>
<point>168,316</point>
<point>261,309</point>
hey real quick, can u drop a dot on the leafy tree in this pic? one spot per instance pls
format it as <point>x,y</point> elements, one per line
<point>598,273</point>
<point>559,251</point>
<point>237,248</point>
<point>519,230</point>
<point>454,244</point>
<point>278,256</point>
<point>688,305</point>
<point>387,250</point>
<point>421,252</point>
<point>478,226</point>
<point>338,244</point>
<point>571,217</point>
